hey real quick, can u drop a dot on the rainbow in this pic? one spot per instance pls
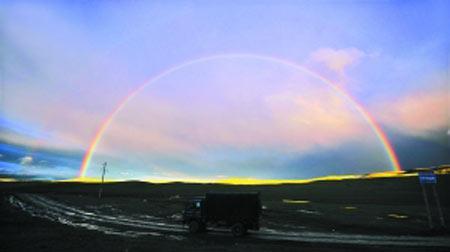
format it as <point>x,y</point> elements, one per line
<point>376,128</point>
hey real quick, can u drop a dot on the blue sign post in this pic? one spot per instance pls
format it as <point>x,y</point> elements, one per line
<point>430,178</point>
<point>427,178</point>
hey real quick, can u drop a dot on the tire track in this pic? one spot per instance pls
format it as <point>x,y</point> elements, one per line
<point>52,210</point>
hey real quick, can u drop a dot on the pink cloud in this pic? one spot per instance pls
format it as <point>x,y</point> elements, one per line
<point>417,113</point>
<point>319,119</point>
<point>337,60</point>
<point>64,127</point>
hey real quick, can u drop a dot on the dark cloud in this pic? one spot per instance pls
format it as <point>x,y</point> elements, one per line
<point>423,151</point>
<point>350,158</point>
<point>43,163</point>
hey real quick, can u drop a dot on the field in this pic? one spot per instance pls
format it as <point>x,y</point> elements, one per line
<point>383,214</point>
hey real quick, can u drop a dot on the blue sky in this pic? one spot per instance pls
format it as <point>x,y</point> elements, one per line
<point>66,65</point>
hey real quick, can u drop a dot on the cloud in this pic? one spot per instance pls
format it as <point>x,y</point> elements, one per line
<point>56,127</point>
<point>26,160</point>
<point>417,113</point>
<point>337,60</point>
<point>48,110</point>
<point>291,120</point>
<point>320,119</point>
<point>165,173</point>
<point>40,163</point>
<point>45,172</point>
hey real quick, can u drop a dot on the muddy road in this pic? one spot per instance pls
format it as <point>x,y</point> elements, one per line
<point>108,220</point>
<point>370,215</point>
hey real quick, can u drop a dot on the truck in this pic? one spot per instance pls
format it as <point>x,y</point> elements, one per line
<point>238,211</point>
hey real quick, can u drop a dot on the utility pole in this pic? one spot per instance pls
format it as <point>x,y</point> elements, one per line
<point>103,180</point>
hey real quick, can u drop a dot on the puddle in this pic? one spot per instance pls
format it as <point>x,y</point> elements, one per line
<point>148,217</point>
<point>103,208</point>
<point>174,197</point>
<point>268,230</point>
<point>291,227</point>
<point>398,216</point>
<point>176,217</point>
<point>291,201</point>
<point>176,237</point>
<point>308,212</point>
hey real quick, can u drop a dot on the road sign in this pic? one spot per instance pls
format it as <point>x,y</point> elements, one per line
<point>430,179</point>
<point>427,178</point>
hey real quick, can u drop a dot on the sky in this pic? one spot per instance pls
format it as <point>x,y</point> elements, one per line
<point>181,90</point>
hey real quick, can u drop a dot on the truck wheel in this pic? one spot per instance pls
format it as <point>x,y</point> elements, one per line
<point>238,230</point>
<point>202,228</point>
<point>194,227</point>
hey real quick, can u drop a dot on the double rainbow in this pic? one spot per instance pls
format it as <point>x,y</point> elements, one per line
<point>365,114</point>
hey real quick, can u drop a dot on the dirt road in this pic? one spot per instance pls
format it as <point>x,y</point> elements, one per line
<point>139,225</point>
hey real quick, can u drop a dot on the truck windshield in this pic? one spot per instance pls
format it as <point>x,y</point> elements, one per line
<point>194,205</point>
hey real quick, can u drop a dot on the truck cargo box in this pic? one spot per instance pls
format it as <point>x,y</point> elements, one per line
<point>232,206</point>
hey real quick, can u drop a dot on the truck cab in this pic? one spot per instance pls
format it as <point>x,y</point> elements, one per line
<point>193,213</point>
<point>238,211</point>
